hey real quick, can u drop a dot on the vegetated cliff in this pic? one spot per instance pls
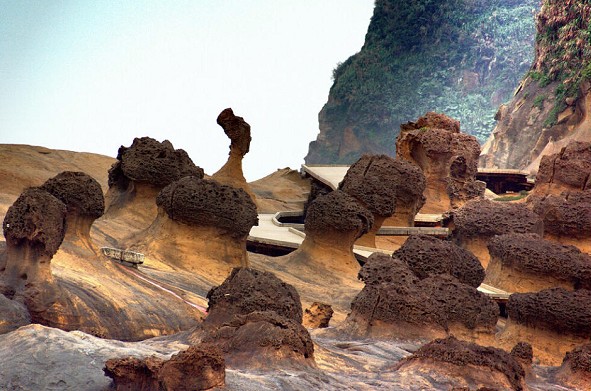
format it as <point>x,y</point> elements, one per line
<point>460,57</point>
<point>552,105</point>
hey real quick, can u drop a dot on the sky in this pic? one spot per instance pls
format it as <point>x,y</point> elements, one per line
<point>89,76</point>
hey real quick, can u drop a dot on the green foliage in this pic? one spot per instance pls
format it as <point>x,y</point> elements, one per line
<point>539,101</point>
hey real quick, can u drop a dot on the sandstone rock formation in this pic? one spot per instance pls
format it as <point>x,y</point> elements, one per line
<point>552,104</point>
<point>283,190</point>
<point>467,365</point>
<point>428,256</point>
<point>567,170</point>
<point>528,263</point>
<point>200,367</point>
<point>141,171</point>
<point>389,188</point>
<point>474,224</point>
<point>238,131</point>
<point>396,303</point>
<point>317,316</point>
<point>447,157</point>
<point>575,370</point>
<point>553,321</point>
<point>333,223</point>
<point>201,227</point>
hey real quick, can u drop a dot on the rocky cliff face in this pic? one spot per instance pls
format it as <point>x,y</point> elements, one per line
<point>459,57</point>
<point>552,104</point>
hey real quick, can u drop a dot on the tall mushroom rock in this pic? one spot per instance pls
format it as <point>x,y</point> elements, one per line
<point>447,157</point>
<point>238,131</point>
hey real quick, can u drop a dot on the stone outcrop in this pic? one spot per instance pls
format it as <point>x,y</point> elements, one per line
<point>317,316</point>
<point>467,364</point>
<point>447,157</point>
<point>201,227</point>
<point>249,290</point>
<point>200,367</point>
<point>389,188</point>
<point>238,131</point>
<point>552,104</point>
<point>553,321</point>
<point>396,303</point>
<point>528,263</point>
<point>575,370</point>
<point>428,256</point>
<point>474,224</point>
<point>567,170</point>
<point>141,171</point>
<point>333,223</point>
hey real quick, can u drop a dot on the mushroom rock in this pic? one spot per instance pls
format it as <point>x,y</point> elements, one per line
<point>201,227</point>
<point>238,131</point>
<point>389,188</point>
<point>263,339</point>
<point>396,303</point>
<point>141,171</point>
<point>528,263</point>
<point>465,364</point>
<point>575,370</point>
<point>34,228</point>
<point>569,170</point>
<point>333,223</point>
<point>84,202</point>
<point>524,354</point>
<point>249,290</point>
<point>317,316</point>
<point>200,367</point>
<point>478,221</point>
<point>567,217</point>
<point>553,321</point>
<point>447,157</point>
<point>426,256</point>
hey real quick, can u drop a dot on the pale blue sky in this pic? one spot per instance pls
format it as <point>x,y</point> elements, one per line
<point>92,75</point>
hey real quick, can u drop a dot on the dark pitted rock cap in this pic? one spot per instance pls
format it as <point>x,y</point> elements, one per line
<point>433,120</point>
<point>248,290</point>
<point>462,353</point>
<point>200,367</point>
<point>427,256</point>
<point>38,218</point>
<point>381,268</point>
<point>579,359</point>
<point>237,130</point>
<point>202,202</point>
<point>337,211</point>
<point>523,351</point>
<point>566,216</point>
<point>150,161</point>
<point>554,309</point>
<point>570,167</point>
<point>251,332</point>
<point>133,373</point>
<point>488,218</point>
<point>81,193</point>
<point>532,254</point>
<point>373,180</point>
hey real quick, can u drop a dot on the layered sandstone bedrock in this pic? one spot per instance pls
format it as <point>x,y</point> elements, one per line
<point>396,303</point>
<point>389,188</point>
<point>317,316</point>
<point>552,105</point>
<point>466,364</point>
<point>575,370</point>
<point>238,131</point>
<point>567,217</point>
<point>141,171</point>
<point>478,221</point>
<point>200,367</point>
<point>34,228</point>
<point>333,223</point>
<point>248,290</point>
<point>528,263</point>
<point>84,202</point>
<point>201,227</point>
<point>447,157</point>
<point>427,256</point>
<point>553,321</point>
